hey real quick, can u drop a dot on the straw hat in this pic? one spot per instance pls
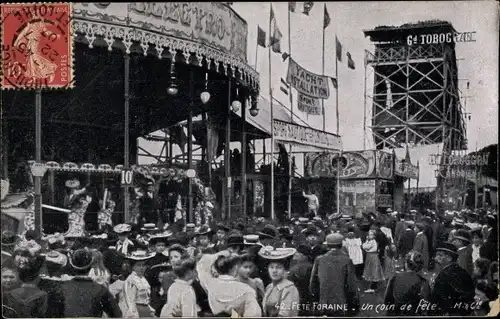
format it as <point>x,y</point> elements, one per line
<point>140,255</point>
<point>122,228</point>
<point>149,227</point>
<point>276,254</point>
<point>204,230</point>
<point>72,183</point>
<point>162,237</point>
<point>56,257</point>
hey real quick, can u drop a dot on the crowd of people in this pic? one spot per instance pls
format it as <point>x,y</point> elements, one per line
<point>256,267</point>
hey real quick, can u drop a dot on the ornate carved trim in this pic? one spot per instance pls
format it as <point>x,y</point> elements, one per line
<point>110,33</point>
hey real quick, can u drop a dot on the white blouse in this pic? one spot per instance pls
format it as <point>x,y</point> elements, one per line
<point>370,246</point>
<point>353,246</point>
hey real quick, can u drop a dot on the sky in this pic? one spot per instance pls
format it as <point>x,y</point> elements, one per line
<point>477,61</point>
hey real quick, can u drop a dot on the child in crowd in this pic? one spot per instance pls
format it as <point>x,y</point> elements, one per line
<point>353,246</point>
<point>373,272</point>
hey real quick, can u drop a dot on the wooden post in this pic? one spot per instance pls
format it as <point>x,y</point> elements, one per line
<point>38,159</point>
<point>126,146</point>
<point>243,158</point>
<point>190,207</point>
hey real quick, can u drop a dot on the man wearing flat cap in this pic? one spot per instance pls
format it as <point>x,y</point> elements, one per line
<point>333,280</point>
<point>452,290</point>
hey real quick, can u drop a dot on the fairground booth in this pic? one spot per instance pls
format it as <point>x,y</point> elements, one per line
<point>139,68</point>
<point>370,180</point>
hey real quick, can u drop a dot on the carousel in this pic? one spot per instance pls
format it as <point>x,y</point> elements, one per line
<point>139,68</point>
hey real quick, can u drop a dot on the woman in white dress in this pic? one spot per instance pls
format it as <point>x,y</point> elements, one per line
<point>353,246</point>
<point>98,272</point>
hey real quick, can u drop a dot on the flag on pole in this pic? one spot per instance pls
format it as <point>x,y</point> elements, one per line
<point>292,6</point>
<point>275,39</point>
<point>338,46</point>
<point>307,7</point>
<point>334,82</point>
<point>261,37</point>
<point>350,62</point>
<point>285,56</point>
<point>285,88</point>
<point>326,18</point>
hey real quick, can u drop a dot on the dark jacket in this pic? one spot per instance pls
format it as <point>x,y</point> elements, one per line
<point>24,302</point>
<point>85,298</point>
<point>382,242</point>
<point>465,259</point>
<point>333,282</point>
<point>421,245</point>
<point>405,243</point>
<point>152,278</point>
<point>452,285</point>
<point>406,288</point>
<point>55,305</point>
<point>399,230</point>
<point>300,275</point>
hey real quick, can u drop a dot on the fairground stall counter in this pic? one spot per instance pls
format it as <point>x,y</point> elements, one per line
<point>367,181</point>
<point>139,67</point>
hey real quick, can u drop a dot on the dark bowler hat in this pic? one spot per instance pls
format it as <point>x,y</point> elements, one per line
<point>235,240</point>
<point>448,248</point>
<point>269,231</point>
<point>462,234</point>
<point>221,226</point>
<point>311,230</point>
<point>81,259</point>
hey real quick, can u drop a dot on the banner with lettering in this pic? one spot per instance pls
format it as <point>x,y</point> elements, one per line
<point>308,83</point>
<point>308,104</point>
<point>296,134</point>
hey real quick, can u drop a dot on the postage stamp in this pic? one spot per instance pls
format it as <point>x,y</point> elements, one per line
<point>37,46</point>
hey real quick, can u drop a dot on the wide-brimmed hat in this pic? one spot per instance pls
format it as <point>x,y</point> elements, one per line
<point>204,230</point>
<point>462,234</point>
<point>161,237</point>
<point>9,238</point>
<point>221,226</point>
<point>122,228</point>
<point>140,255</point>
<point>269,231</point>
<point>276,254</point>
<point>149,227</point>
<point>458,221</point>
<point>56,257</point>
<point>335,239</point>
<point>388,210</point>
<point>81,259</point>
<point>346,217</point>
<point>190,227</point>
<point>448,248</point>
<point>72,183</point>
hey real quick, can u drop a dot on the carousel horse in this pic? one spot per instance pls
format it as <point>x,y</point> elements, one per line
<point>143,199</point>
<point>79,204</point>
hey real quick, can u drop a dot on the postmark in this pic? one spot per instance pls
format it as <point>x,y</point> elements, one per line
<point>37,46</point>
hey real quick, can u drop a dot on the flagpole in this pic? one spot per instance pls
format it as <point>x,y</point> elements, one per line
<point>257,51</point>
<point>272,115</point>
<point>337,115</point>
<point>323,73</point>
<point>290,165</point>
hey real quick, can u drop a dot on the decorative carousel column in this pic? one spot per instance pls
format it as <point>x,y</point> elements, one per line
<point>126,138</point>
<point>38,159</point>
<point>190,139</point>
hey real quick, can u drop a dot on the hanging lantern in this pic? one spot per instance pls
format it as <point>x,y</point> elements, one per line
<point>236,105</point>
<point>254,111</point>
<point>172,90</point>
<point>205,96</point>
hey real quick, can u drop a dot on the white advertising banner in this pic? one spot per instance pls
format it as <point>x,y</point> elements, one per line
<point>296,134</point>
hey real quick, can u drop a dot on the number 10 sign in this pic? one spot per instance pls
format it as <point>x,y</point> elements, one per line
<point>127,177</point>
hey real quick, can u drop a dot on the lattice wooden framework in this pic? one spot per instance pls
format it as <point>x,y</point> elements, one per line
<point>423,105</point>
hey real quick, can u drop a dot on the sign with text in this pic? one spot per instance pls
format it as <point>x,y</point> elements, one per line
<point>213,24</point>
<point>459,160</point>
<point>308,83</point>
<point>296,134</point>
<point>384,200</point>
<point>308,104</point>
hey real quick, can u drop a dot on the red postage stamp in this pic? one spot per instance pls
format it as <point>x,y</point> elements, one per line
<point>37,46</point>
